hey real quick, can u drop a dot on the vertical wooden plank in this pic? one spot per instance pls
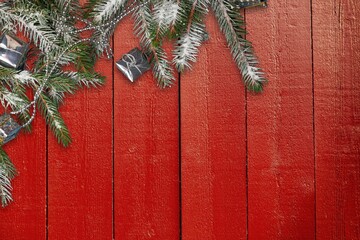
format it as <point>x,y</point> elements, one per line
<point>146,152</point>
<point>80,190</point>
<point>337,118</point>
<point>25,218</point>
<point>80,176</point>
<point>280,124</point>
<point>213,144</point>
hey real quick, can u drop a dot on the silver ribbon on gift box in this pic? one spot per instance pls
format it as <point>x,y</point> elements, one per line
<point>133,64</point>
<point>12,51</point>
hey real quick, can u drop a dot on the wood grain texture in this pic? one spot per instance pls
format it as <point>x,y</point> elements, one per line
<point>213,144</point>
<point>280,124</point>
<point>337,118</point>
<point>26,216</point>
<point>146,146</point>
<point>126,136</point>
<point>80,176</point>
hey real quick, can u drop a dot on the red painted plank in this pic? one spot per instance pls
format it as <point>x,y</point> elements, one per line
<point>25,217</point>
<point>280,125</point>
<point>80,176</point>
<point>213,144</point>
<point>146,153</point>
<point>337,118</point>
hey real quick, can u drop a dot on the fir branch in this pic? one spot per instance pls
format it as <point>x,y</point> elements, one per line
<point>144,28</point>
<point>13,91</point>
<point>7,74</point>
<point>11,76</point>
<point>232,25</point>
<point>69,6</point>
<point>65,17</point>
<point>7,173</point>
<point>166,13</point>
<point>6,22</point>
<point>16,99</point>
<point>85,57</point>
<point>50,111</point>
<point>11,99</point>
<point>68,82</point>
<point>186,49</point>
<point>58,86</point>
<point>76,54</point>
<point>86,79</point>
<point>31,22</point>
<point>106,10</point>
<point>25,78</point>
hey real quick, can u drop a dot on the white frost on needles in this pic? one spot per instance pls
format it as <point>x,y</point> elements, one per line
<point>25,77</point>
<point>186,50</point>
<point>105,9</point>
<point>166,13</point>
<point>5,187</point>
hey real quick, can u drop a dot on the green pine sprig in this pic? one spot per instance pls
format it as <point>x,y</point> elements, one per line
<point>146,28</point>
<point>7,173</point>
<point>233,26</point>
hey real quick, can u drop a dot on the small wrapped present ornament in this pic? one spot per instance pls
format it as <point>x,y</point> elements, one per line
<point>9,128</point>
<point>250,3</point>
<point>133,64</point>
<point>12,51</point>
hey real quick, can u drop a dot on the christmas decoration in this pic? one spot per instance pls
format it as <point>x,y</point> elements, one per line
<point>8,128</point>
<point>52,29</point>
<point>12,51</point>
<point>133,64</point>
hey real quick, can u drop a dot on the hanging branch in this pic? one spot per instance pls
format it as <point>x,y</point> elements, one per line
<point>191,36</point>
<point>232,25</point>
<point>7,173</point>
<point>144,28</point>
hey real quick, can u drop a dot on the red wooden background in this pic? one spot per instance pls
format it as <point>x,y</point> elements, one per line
<point>206,159</point>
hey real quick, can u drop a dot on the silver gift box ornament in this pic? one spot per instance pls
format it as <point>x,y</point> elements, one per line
<point>12,51</point>
<point>9,128</point>
<point>133,64</point>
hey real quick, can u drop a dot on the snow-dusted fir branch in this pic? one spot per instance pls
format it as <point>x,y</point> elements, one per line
<point>31,22</point>
<point>7,173</point>
<point>186,49</point>
<point>65,16</point>
<point>84,79</point>
<point>104,29</point>
<point>53,118</point>
<point>166,13</point>
<point>144,28</point>
<point>13,91</point>
<point>11,99</point>
<point>232,25</point>
<point>106,10</point>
